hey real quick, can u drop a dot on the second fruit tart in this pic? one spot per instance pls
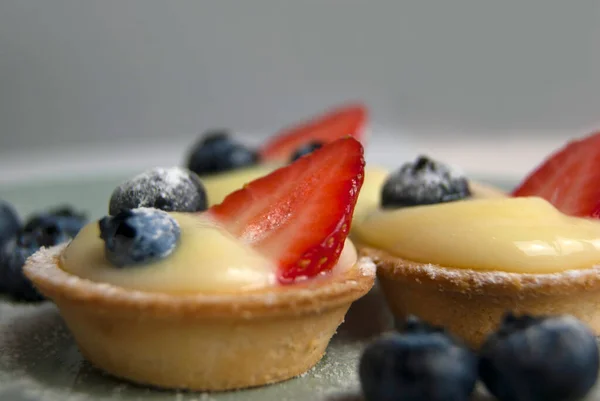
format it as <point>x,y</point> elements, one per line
<point>247,293</point>
<point>460,257</point>
<point>225,165</point>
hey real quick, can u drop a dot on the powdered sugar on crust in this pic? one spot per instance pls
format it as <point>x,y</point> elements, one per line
<point>366,266</point>
<point>475,281</point>
<point>482,278</point>
<point>310,295</point>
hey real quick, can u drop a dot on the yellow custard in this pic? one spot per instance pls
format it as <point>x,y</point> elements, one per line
<point>369,197</point>
<point>521,235</point>
<point>207,259</point>
<point>218,186</point>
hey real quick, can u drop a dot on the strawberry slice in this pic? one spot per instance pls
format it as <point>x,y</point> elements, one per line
<point>569,178</point>
<point>300,214</point>
<point>337,123</point>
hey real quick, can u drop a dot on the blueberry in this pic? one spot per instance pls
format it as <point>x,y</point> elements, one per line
<point>138,236</point>
<point>14,254</point>
<point>421,362</point>
<point>69,221</point>
<point>12,259</point>
<point>172,189</point>
<point>217,152</point>
<point>549,358</point>
<point>9,222</point>
<point>49,228</point>
<point>306,149</point>
<point>423,182</point>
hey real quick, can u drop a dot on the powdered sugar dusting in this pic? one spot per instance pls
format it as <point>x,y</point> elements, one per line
<point>171,189</point>
<point>366,266</point>
<point>172,176</point>
<point>424,181</point>
<point>163,180</point>
<point>485,278</point>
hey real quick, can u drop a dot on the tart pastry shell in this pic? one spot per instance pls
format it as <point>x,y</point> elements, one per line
<point>204,342</point>
<point>471,303</point>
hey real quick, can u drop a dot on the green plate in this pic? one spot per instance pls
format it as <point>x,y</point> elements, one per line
<point>40,361</point>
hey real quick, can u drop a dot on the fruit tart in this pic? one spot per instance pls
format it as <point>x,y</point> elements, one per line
<point>225,165</point>
<point>460,255</point>
<point>246,293</point>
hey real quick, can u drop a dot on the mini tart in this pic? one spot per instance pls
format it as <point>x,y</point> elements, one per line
<point>201,342</point>
<point>471,303</point>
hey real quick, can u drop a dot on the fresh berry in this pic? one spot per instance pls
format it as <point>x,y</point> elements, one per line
<point>10,223</point>
<point>596,212</point>
<point>539,358</point>
<point>306,149</point>
<point>12,259</point>
<point>172,189</point>
<point>343,121</point>
<point>217,152</point>
<point>423,182</point>
<point>68,221</point>
<point>421,362</point>
<point>46,232</point>
<point>138,236</point>
<point>49,228</point>
<point>300,214</point>
<point>569,178</point>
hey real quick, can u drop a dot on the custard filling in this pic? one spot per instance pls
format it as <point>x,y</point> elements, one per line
<point>369,197</point>
<point>219,185</point>
<point>207,259</point>
<point>490,232</point>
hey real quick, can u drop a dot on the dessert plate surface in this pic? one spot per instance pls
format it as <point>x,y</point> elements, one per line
<point>40,361</point>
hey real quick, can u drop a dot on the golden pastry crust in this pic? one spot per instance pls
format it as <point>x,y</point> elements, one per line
<point>471,303</point>
<point>202,342</point>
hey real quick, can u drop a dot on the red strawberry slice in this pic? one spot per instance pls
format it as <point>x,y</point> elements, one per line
<point>596,212</point>
<point>299,215</point>
<point>337,123</point>
<point>569,178</point>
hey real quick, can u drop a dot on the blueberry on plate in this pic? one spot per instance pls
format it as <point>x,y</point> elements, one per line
<point>306,149</point>
<point>12,259</point>
<point>423,182</point>
<point>138,236</point>
<point>216,152</point>
<point>10,223</point>
<point>420,363</point>
<point>549,358</point>
<point>69,221</point>
<point>14,254</point>
<point>48,228</point>
<point>172,189</point>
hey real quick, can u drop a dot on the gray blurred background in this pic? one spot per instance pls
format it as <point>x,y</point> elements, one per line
<point>75,72</point>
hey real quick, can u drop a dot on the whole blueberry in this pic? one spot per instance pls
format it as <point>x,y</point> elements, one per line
<point>172,189</point>
<point>14,254</point>
<point>549,358</point>
<point>423,182</point>
<point>216,152</point>
<point>420,363</point>
<point>306,149</point>
<point>12,280</point>
<point>138,236</point>
<point>10,223</point>
<point>68,221</point>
